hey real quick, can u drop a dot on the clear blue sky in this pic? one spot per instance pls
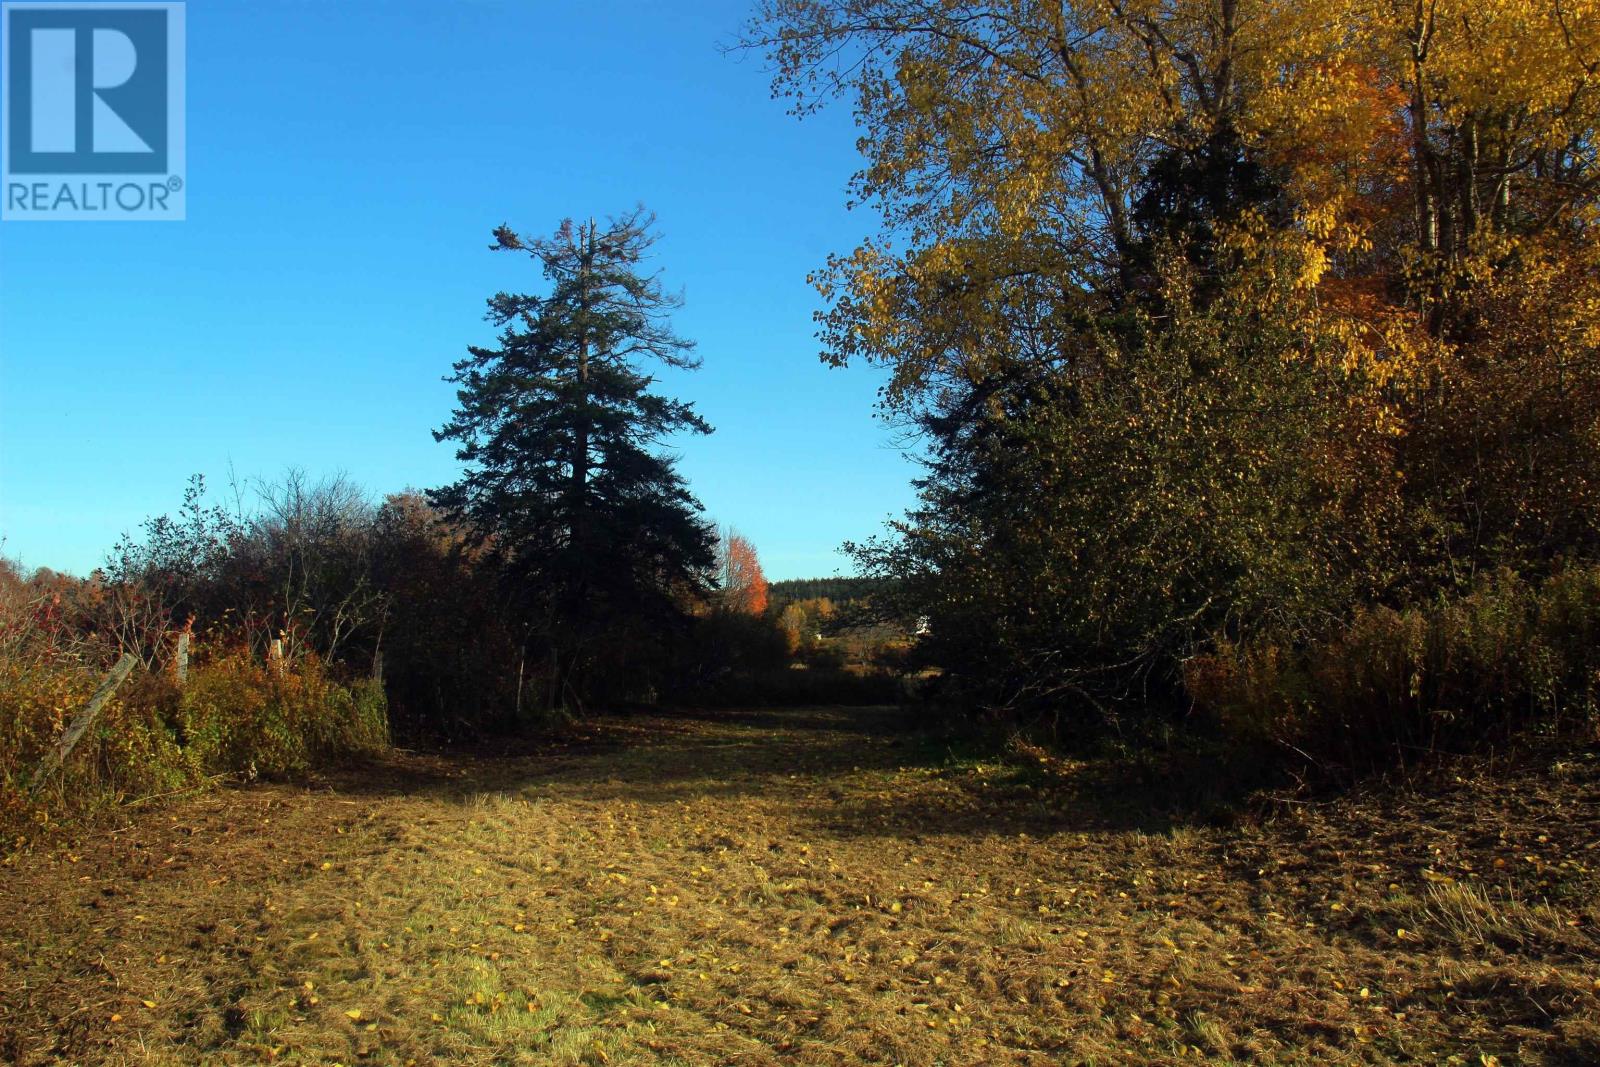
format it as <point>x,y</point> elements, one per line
<point>347,161</point>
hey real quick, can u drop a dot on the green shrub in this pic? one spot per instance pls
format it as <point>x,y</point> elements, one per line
<point>237,714</point>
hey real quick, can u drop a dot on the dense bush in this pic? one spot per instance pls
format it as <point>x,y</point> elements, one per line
<point>1196,481</point>
<point>324,621</point>
<point>400,591</point>
<point>387,589</point>
<point>1227,330</point>
<point>796,686</point>
<point>1393,686</point>
<point>779,658</point>
<point>452,662</point>
<point>35,703</point>
<point>236,715</point>
<point>721,642</point>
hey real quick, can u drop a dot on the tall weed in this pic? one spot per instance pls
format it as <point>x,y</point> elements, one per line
<point>235,715</point>
<point>1471,672</point>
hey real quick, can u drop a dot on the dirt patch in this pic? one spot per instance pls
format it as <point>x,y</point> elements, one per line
<point>806,886</point>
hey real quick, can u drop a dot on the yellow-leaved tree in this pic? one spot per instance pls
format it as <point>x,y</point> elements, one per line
<point>1214,314</point>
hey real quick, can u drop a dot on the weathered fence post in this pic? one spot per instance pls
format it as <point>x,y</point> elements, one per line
<point>275,655</point>
<point>84,719</point>
<point>181,662</point>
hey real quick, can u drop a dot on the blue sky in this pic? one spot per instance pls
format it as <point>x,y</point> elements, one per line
<point>346,164</point>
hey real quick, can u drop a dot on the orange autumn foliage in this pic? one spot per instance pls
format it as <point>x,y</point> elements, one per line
<point>744,586</point>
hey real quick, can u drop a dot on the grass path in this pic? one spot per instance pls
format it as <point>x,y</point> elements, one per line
<point>804,886</point>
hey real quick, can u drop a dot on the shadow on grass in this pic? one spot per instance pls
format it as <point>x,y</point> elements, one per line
<point>716,751</point>
<point>839,768</point>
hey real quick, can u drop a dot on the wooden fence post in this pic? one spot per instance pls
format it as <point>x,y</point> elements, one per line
<point>84,719</point>
<point>182,661</point>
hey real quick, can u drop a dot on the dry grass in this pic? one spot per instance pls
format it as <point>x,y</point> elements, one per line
<point>1475,918</point>
<point>809,887</point>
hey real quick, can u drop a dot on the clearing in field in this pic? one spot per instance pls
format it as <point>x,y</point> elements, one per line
<point>809,886</point>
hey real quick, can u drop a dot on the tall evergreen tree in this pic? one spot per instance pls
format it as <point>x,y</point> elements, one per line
<point>562,440</point>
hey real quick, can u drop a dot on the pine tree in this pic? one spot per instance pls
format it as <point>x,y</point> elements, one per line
<point>562,440</point>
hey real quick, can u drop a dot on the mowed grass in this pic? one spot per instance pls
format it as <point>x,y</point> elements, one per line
<point>812,886</point>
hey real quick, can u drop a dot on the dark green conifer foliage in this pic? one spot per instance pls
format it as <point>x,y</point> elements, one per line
<point>562,437</point>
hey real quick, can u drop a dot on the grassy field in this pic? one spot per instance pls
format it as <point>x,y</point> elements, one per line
<point>806,886</point>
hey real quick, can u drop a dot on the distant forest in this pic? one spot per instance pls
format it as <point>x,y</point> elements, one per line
<point>838,590</point>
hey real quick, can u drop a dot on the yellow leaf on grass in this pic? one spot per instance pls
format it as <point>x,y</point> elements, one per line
<point>353,1013</point>
<point>148,1003</point>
